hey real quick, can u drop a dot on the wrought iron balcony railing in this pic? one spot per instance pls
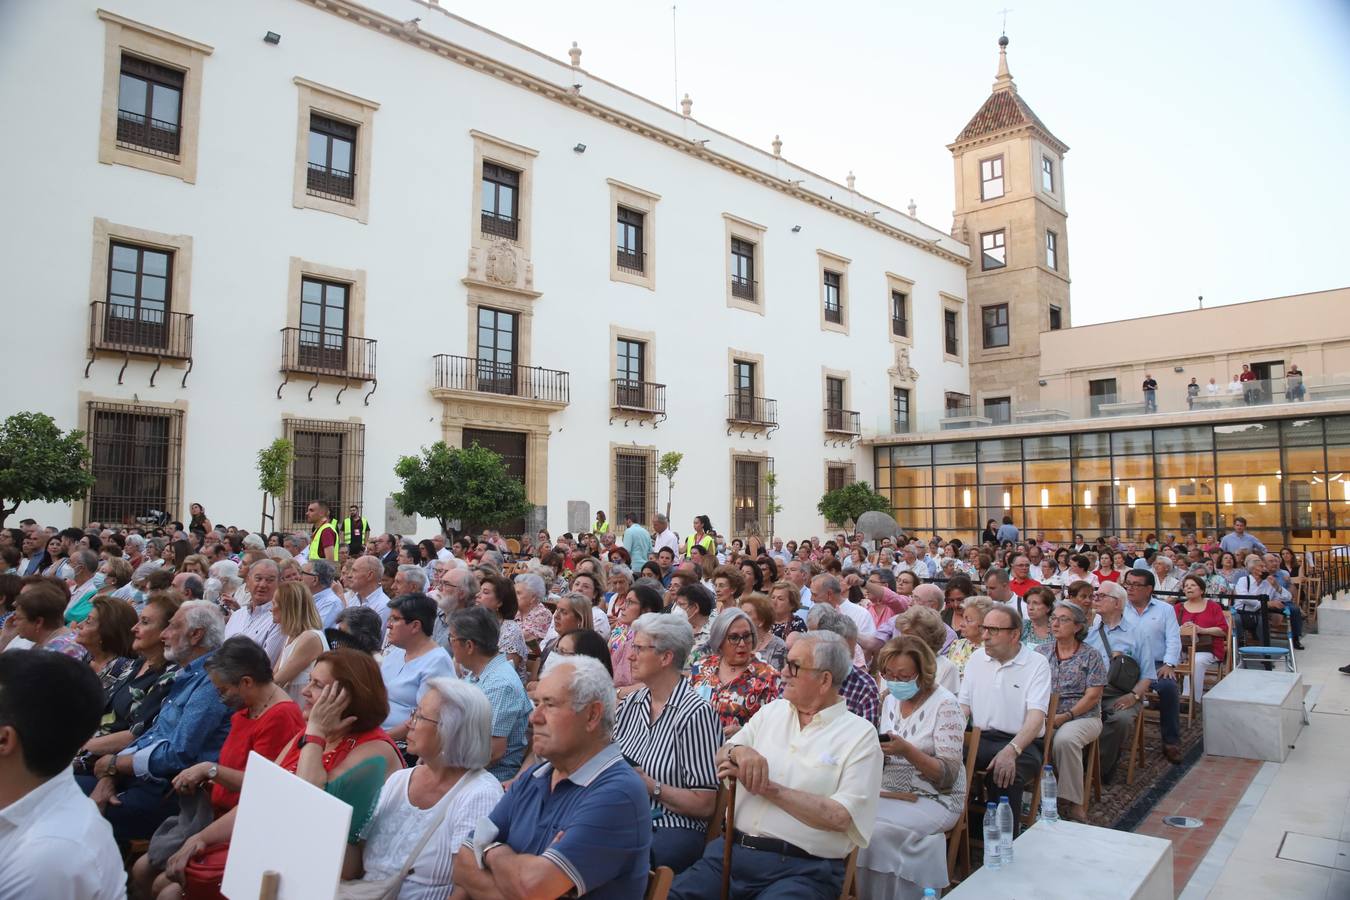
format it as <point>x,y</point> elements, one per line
<point>463,373</point>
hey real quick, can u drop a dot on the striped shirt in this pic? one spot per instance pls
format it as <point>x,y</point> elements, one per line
<point>677,749</point>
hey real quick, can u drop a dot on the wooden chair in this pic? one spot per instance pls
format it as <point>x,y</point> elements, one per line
<point>1136,748</point>
<point>849,888</point>
<point>1092,774</point>
<point>658,883</point>
<point>513,546</point>
<point>1030,818</point>
<point>1184,669</point>
<point>958,836</point>
<point>1310,593</point>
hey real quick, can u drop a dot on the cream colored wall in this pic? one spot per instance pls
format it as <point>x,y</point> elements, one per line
<point>1312,330</point>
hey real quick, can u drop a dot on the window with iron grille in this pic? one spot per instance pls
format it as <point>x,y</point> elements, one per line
<point>136,461</point>
<point>629,234</point>
<point>951,333</point>
<point>634,484</point>
<point>332,158</point>
<point>329,465</point>
<point>834,311</point>
<point>899,313</point>
<point>742,269</point>
<point>993,252</point>
<point>501,191</point>
<point>139,280</point>
<point>900,409</point>
<point>1056,318</point>
<point>149,107</point>
<point>995,325</point>
<point>749,499</point>
<point>838,476</point>
<point>991,178</point>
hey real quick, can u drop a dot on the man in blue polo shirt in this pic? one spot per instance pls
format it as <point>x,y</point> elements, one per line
<point>580,821</point>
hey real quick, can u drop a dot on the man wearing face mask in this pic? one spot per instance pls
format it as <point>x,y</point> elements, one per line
<point>922,733</point>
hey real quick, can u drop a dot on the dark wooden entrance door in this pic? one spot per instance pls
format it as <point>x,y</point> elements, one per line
<point>510,445</point>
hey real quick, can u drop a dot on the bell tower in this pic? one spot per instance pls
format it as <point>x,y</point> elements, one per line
<point>1010,210</point>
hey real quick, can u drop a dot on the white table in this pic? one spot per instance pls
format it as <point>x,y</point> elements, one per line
<point>1254,714</point>
<point>1068,861</point>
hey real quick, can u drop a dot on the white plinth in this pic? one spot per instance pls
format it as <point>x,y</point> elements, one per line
<point>1254,714</point>
<point>1333,615</point>
<point>1068,861</point>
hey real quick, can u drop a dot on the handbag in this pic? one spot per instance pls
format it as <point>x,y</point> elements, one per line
<point>388,888</point>
<point>1123,673</point>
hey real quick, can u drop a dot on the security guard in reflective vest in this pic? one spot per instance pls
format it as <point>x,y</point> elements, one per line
<point>355,529</point>
<point>323,545</point>
<point>702,536</point>
<point>601,526</point>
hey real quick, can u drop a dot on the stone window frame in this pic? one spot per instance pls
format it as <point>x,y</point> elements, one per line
<point>833,262</point>
<point>1001,177</point>
<point>1051,256</point>
<point>78,508</point>
<point>753,233</point>
<point>123,35</point>
<point>1002,234</point>
<point>734,355</point>
<point>497,150</point>
<point>953,303</point>
<point>503,301</point>
<point>850,468</point>
<point>641,201</point>
<point>765,461</point>
<point>352,467</point>
<point>845,376</point>
<point>653,457</point>
<point>648,341</point>
<point>903,285</point>
<point>334,104</point>
<point>355,279</point>
<point>180,245</point>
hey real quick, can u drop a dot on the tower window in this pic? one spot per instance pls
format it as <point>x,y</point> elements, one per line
<point>995,325</point>
<point>1056,318</point>
<point>1051,250</point>
<point>1047,174</point>
<point>993,252</point>
<point>991,178</point>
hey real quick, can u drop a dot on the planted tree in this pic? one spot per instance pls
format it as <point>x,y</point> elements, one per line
<point>774,507</point>
<point>40,462</point>
<point>845,504</point>
<point>668,466</point>
<point>274,471</point>
<point>470,485</point>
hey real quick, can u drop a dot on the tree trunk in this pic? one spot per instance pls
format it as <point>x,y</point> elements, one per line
<point>262,519</point>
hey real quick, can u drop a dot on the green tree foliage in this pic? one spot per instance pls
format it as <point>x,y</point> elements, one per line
<point>774,507</point>
<point>469,485</point>
<point>668,466</point>
<point>845,504</point>
<point>274,470</point>
<point>39,462</point>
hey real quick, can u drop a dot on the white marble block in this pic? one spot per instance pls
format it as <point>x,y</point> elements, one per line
<point>1333,615</point>
<point>1254,714</point>
<point>1068,861</point>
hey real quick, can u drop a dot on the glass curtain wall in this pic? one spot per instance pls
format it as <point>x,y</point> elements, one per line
<point>1289,478</point>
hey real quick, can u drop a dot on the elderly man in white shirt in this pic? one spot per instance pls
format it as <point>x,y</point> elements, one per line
<point>366,574</point>
<point>808,776</point>
<point>253,619</point>
<point>826,589</point>
<point>54,844</point>
<point>1005,690</point>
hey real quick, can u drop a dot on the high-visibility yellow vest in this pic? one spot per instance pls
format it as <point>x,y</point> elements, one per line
<point>314,552</point>
<point>706,542</point>
<point>347,529</point>
<point>598,527</point>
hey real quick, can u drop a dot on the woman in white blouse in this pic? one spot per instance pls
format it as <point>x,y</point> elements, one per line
<point>294,610</point>
<point>441,798</point>
<point>923,736</point>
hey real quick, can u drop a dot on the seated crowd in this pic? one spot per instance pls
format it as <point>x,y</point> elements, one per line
<point>534,719</point>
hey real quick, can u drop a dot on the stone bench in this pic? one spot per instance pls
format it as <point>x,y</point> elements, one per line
<point>1069,861</point>
<point>1128,408</point>
<point>1333,615</point>
<point>1254,714</point>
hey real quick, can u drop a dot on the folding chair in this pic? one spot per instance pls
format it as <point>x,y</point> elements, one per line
<point>1092,774</point>
<point>1035,810</point>
<point>658,883</point>
<point>850,877</point>
<point>1136,749</point>
<point>958,836</point>
<point>1262,653</point>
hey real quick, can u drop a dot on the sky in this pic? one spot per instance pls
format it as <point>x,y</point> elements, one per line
<point>1209,142</point>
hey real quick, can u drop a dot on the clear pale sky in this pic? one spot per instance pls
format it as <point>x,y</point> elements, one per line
<point>1209,142</point>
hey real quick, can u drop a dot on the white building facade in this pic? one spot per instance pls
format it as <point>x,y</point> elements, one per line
<point>369,234</point>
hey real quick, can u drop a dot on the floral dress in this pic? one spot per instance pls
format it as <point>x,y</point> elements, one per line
<point>782,629</point>
<point>512,640</point>
<point>757,685</point>
<point>115,672</point>
<point>959,652</point>
<point>65,643</point>
<point>132,706</point>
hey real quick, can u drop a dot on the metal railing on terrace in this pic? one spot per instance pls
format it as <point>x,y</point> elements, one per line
<point>463,373</point>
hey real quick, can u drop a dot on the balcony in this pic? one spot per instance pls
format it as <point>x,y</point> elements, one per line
<point>497,225</point>
<point>743,288</point>
<point>531,384</point>
<point>634,262</point>
<point>640,400</point>
<point>327,354</point>
<point>900,327</point>
<point>746,412</point>
<point>834,313</point>
<point>330,184</point>
<point>118,328</point>
<point>147,135</point>
<point>846,422</point>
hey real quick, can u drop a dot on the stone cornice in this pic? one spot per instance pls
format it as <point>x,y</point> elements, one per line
<point>994,137</point>
<point>565,95</point>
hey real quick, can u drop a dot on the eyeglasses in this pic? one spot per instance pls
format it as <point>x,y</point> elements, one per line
<point>309,572</point>
<point>418,717</point>
<point>994,629</point>
<point>635,647</point>
<point>1060,620</point>
<point>742,638</point>
<point>794,669</point>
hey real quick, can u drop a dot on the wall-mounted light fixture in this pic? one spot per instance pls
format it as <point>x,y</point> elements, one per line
<point>1042,382</point>
<point>271,38</point>
<point>1178,368</point>
<point>579,148</point>
<point>796,228</point>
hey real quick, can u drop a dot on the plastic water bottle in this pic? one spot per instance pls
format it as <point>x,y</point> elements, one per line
<point>993,841</point>
<point>929,892</point>
<point>1005,831</point>
<point>1049,795</point>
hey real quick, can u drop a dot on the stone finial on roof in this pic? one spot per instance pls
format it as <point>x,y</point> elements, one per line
<point>1004,79</point>
<point>686,105</point>
<point>852,179</point>
<point>575,54</point>
<point>913,210</point>
<point>777,145</point>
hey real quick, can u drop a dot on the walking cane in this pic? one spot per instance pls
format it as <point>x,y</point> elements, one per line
<point>727,830</point>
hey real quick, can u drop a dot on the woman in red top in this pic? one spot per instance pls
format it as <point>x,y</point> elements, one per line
<point>266,721</point>
<point>1106,570</point>
<point>1205,619</point>
<point>341,748</point>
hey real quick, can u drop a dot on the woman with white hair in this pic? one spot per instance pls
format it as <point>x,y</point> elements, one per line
<point>671,734</point>
<point>221,584</point>
<point>425,813</point>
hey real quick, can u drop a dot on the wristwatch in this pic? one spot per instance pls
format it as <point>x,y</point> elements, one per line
<point>306,739</point>
<point>656,792</point>
<point>212,772</point>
